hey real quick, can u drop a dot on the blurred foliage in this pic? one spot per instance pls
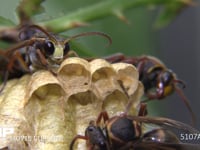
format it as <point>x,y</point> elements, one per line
<point>27,9</point>
<point>135,38</point>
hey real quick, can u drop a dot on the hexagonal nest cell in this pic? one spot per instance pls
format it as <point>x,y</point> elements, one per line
<point>48,111</point>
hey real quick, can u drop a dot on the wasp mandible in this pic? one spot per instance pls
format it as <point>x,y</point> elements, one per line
<point>37,49</point>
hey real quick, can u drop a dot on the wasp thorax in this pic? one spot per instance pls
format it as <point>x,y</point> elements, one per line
<point>56,108</point>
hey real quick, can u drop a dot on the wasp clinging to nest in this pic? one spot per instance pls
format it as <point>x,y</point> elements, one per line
<point>37,49</point>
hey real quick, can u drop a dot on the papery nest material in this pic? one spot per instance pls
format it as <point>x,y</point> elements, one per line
<point>47,111</point>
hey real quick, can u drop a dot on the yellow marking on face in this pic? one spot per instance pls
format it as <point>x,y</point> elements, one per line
<point>168,90</point>
<point>59,52</point>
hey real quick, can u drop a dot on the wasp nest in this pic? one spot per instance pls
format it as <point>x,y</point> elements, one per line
<point>46,111</point>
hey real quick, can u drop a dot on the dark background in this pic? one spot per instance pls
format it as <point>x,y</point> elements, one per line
<point>180,50</point>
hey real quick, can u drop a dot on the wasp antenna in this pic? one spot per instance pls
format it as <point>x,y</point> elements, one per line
<point>43,31</point>
<point>75,139</point>
<point>19,45</point>
<point>186,102</point>
<point>180,82</point>
<point>89,34</point>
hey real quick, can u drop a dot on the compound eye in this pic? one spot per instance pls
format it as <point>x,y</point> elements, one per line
<point>90,129</point>
<point>167,77</point>
<point>49,48</point>
<point>66,48</point>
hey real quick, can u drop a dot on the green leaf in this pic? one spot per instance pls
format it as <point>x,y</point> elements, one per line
<point>5,22</point>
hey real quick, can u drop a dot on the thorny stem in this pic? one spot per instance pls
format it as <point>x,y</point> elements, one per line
<point>102,9</point>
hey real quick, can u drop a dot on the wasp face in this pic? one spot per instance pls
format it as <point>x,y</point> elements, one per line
<point>96,137</point>
<point>165,83</point>
<point>55,51</point>
<point>166,77</point>
<point>53,48</point>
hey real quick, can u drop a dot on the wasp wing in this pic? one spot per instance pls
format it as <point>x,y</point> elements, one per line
<point>159,146</point>
<point>165,123</point>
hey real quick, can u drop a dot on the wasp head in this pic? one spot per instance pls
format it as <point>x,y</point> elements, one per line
<point>96,137</point>
<point>166,82</point>
<point>55,50</point>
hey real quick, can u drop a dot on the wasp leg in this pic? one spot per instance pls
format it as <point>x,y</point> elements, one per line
<point>11,66</point>
<point>143,109</point>
<point>129,104</point>
<point>186,102</point>
<point>44,62</point>
<point>71,53</point>
<point>118,57</point>
<point>75,139</point>
<point>17,56</point>
<point>103,115</point>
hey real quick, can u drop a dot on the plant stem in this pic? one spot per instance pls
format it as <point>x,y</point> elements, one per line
<point>99,10</point>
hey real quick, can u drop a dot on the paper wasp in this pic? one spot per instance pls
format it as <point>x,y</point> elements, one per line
<point>125,132</point>
<point>158,80</point>
<point>37,49</point>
